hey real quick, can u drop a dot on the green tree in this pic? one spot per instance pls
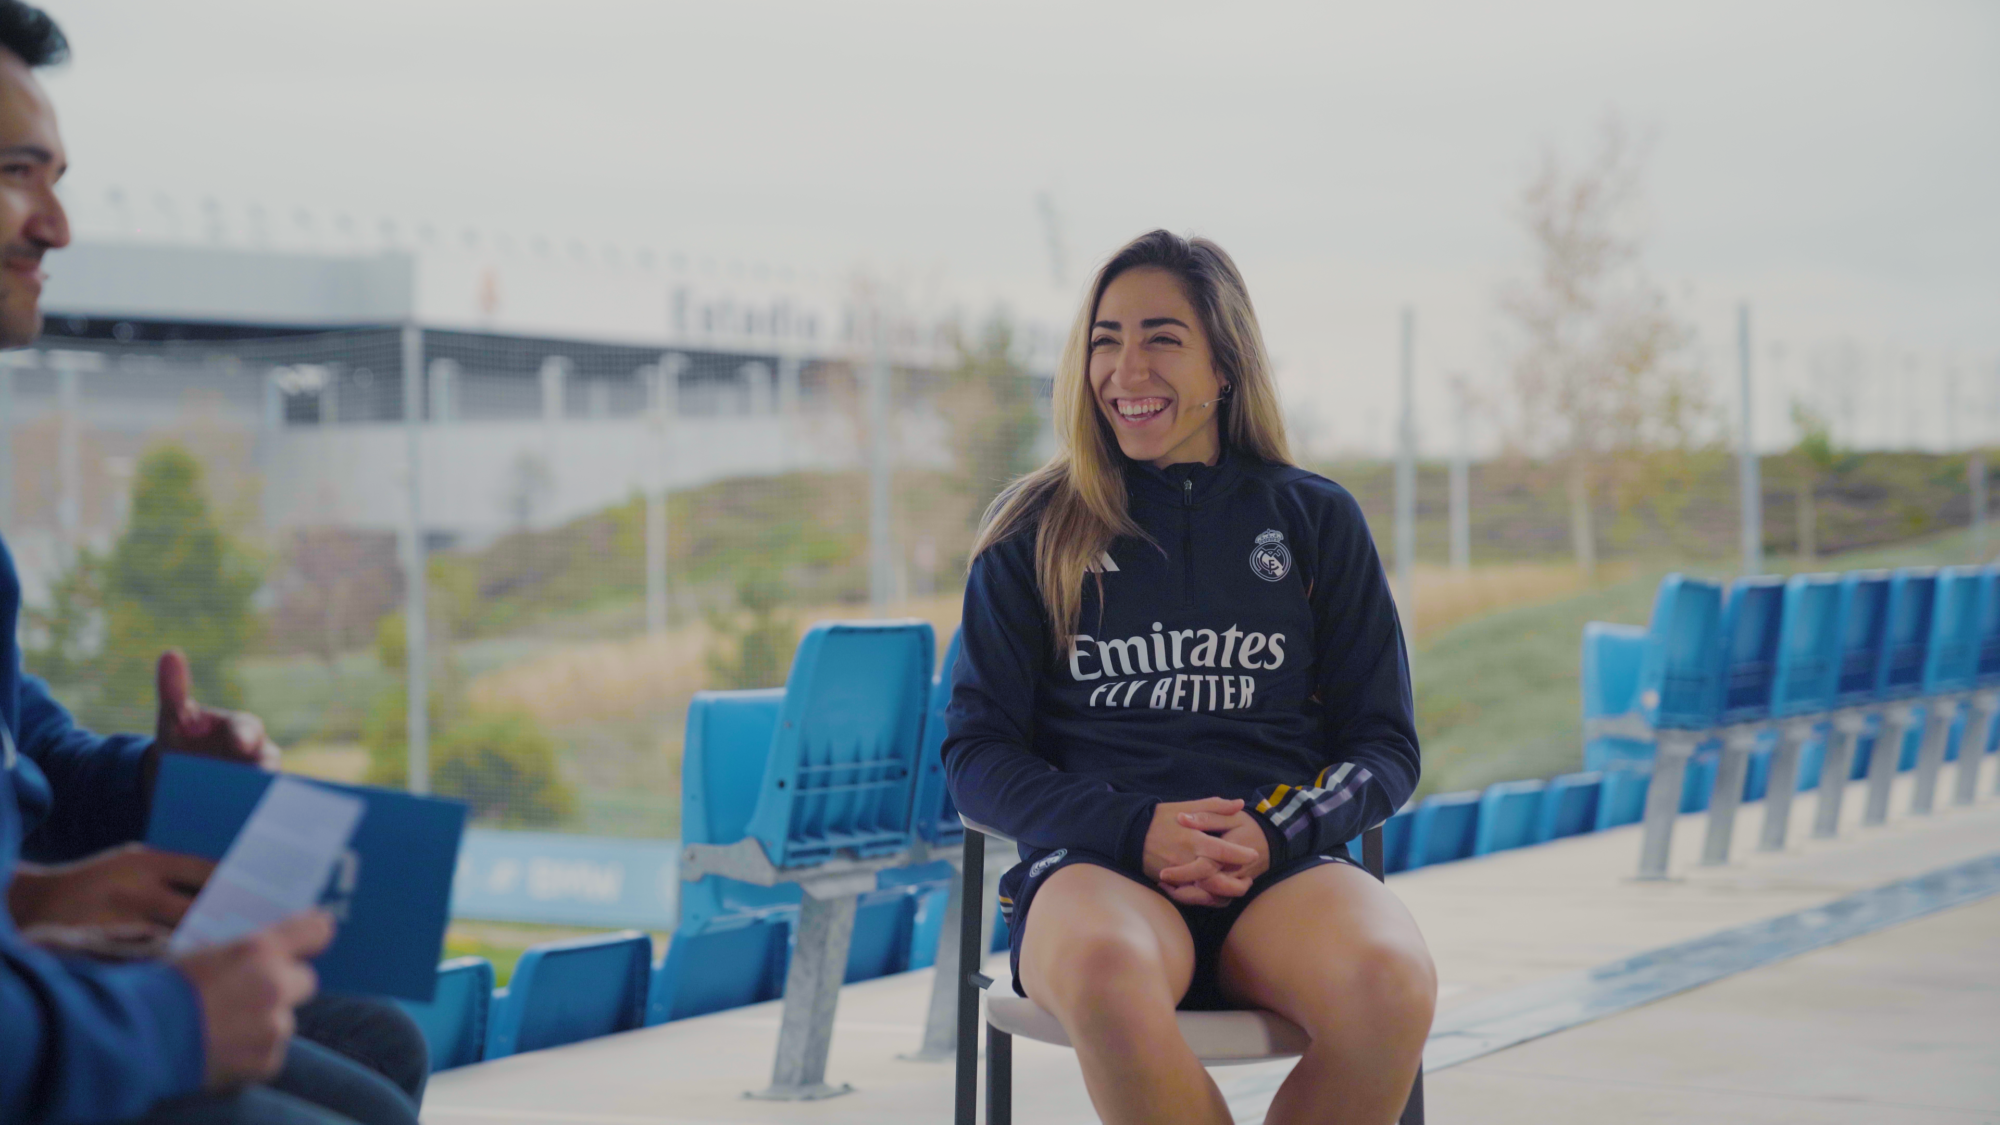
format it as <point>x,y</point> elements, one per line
<point>175,579</point>
<point>61,640</point>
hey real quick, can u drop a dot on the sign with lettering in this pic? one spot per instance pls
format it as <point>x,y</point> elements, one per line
<point>563,880</point>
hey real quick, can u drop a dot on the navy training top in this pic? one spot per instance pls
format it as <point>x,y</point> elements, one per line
<point>80,1041</point>
<point>1251,650</point>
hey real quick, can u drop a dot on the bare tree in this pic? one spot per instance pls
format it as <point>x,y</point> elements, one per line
<point>1603,376</point>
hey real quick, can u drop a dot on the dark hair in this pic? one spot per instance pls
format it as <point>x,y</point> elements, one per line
<point>31,34</point>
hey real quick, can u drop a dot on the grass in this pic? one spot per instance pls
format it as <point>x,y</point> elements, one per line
<point>1498,697</point>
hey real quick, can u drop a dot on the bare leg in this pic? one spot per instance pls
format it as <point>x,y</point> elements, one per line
<point>1335,952</point>
<point>1109,959</point>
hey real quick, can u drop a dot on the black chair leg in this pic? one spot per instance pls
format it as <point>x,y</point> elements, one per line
<point>970,960</point>
<point>1413,1110</point>
<point>999,1077</point>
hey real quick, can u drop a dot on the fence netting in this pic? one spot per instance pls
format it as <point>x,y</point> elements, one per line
<point>603,531</point>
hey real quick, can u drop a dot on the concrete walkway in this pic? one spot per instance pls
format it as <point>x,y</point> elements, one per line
<point>1899,1026</point>
<point>1494,924</point>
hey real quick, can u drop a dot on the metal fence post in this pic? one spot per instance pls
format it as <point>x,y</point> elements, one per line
<point>416,660</point>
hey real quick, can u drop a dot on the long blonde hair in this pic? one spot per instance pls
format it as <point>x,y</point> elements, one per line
<point>1076,502</point>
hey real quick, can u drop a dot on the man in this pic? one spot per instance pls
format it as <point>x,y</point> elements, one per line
<point>94,1028</point>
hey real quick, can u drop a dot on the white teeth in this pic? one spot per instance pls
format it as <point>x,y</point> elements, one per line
<point>1140,408</point>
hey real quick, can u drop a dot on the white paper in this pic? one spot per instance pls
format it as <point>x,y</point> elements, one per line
<point>277,866</point>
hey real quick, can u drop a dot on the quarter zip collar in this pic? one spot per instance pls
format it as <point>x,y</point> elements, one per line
<point>1188,485</point>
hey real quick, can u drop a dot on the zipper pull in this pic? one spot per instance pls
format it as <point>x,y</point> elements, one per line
<point>1187,492</point>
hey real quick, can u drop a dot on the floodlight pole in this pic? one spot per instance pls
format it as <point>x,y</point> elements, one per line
<point>1752,488</point>
<point>1406,476</point>
<point>416,661</point>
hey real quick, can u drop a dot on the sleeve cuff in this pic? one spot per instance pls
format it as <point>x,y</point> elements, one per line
<point>1132,845</point>
<point>1280,847</point>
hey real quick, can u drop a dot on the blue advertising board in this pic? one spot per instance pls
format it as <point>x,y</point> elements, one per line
<point>564,880</point>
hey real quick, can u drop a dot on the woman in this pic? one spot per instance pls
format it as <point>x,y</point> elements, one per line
<point>1182,688</point>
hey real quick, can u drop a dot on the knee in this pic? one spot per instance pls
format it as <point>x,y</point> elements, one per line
<point>1386,985</point>
<point>1105,975</point>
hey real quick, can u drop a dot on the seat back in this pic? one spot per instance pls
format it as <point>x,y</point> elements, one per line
<point>1510,812</point>
<point>1808,670</point>
<point>1569,807</point>
<point>1752,619</point>
<point>843,762</point>
<point>566,991</point>
<point>454,1022</point>
<point>1610,681</point>
<point>1952,661</point>
<point>725,961</point>
<point>1680,674</point>
<point>1621,799</point>
<point>723,757</point>
<point>1989,628</point>
<point>1443,829</point>
<point>1864,627</point>
<point>1906,639</point>
<point>935,813</point>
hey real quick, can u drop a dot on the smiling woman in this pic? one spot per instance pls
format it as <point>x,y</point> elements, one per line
<point>1184,775</point>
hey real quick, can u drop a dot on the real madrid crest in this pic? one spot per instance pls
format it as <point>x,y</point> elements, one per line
<point>1270,559</point>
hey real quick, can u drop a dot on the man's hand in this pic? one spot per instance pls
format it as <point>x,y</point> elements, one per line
<point>248,991</point>
<point>127,885</point>
<point>1180,857</point>
<point>189,728</point>
<point>1203,884</point>
<point>133,941</point>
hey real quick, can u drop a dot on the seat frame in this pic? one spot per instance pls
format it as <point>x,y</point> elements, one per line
<point>1000,1044</point>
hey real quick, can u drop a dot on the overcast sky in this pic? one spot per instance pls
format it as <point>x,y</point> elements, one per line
<point>1837,165</point>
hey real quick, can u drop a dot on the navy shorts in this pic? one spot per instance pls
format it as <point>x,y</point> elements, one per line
<point>1208,925</point>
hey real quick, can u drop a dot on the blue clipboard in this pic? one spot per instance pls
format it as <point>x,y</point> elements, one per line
<point>407,848</point>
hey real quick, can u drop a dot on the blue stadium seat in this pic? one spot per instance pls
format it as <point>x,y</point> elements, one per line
<point>733,942</point>
<point>844,759</point>
<point>1610,682</point>
<point>1622,797</point>
<point>454,1022</point>
<point>1752,619</point>
<point>1951,662</point>
<point>1907,635</point>
<point>1680,673</point>
<point>1808,656</point>
<point>1569,807</point>
<point>1864,618</point>
<point>1443,829</point>
<point>936,816</point>
<point>567,991</point>
<point>1395,842</point>
<point>1510,815</point>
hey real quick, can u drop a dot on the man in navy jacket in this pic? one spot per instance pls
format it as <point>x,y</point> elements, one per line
<point>91,1038</point>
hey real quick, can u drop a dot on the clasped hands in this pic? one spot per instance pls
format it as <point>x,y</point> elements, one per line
<point>1206,852</point>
